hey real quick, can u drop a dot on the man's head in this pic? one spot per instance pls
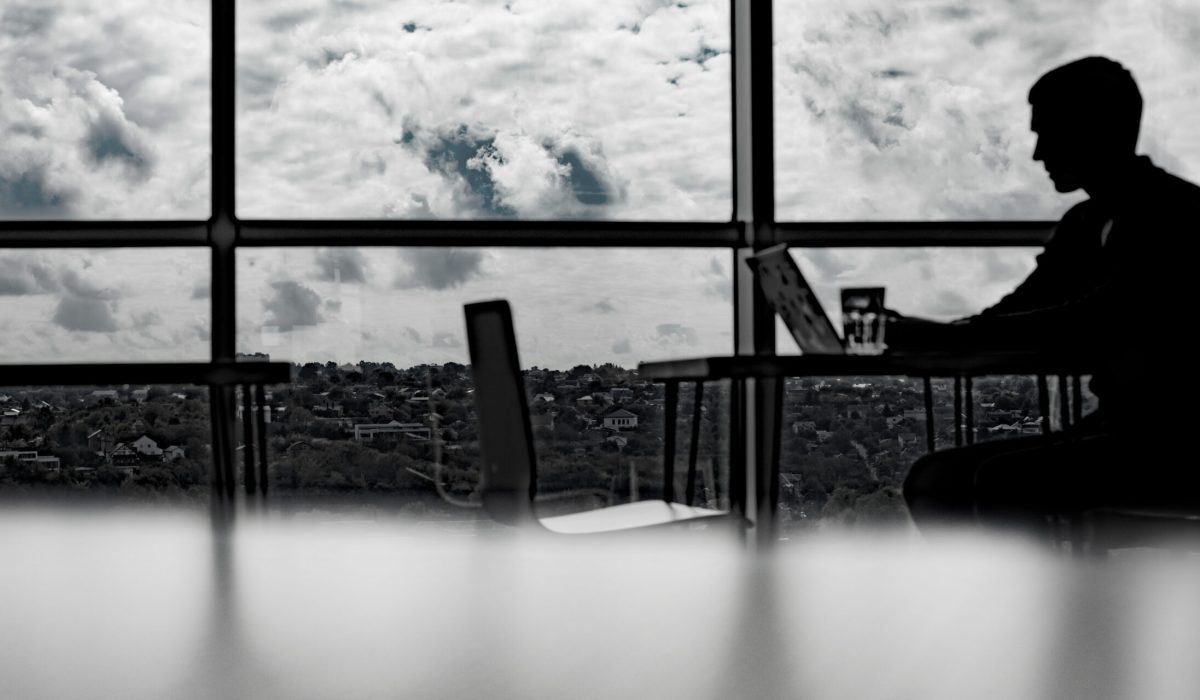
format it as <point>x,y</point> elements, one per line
<point>1086,115</point>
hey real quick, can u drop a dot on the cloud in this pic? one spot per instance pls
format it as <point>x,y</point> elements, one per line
<point>292,304</point>
<point>949,302</point>
<point>202,289</point>
<point>112,138</point>
<point>585,183</point>
<point>828,264</point>
<point>717,281</point>
<point>82,127</point>
<point>622,347</point>
<point>20,275</point>
<point>411,111</point>
<point>341,265</point>
<point>26,19</point>
<point>438,268</point>
<point>85,315</point>
<point>147,319</point>
<point>1001,268</point>
<point>76,284</point>
<point>446,340</point>
<point>604,306</point>
<point>469,159</point>
<point>674,334</point>
<point>29,195</point>
<point>285,21</point>
<point>409,333</point>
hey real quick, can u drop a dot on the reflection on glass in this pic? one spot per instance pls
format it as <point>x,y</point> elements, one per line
<point>381,414</point>
<point>484,110</point>
<point>104,305</point>
<point>917,110</point>
<point>105,110</point>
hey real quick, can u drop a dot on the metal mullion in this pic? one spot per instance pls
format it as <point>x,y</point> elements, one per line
<point>490,233</point>
<point>102,234</point>
<point>884,234</point>
<point>222,238</point>
<point>110,373</point>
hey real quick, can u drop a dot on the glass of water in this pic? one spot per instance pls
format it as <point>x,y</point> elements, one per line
<point>863,320</point>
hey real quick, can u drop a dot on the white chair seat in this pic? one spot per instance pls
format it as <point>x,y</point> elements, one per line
<point>628,516</point>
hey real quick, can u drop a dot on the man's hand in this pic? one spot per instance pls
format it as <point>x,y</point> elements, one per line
<point>914,333</point>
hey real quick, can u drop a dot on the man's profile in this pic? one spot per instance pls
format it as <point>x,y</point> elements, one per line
<point>1099,291</point>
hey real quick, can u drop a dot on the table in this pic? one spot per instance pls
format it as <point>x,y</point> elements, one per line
<point>171,604</point>
<point>766,402</point>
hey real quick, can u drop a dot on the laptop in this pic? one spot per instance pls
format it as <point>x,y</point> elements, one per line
<point>790,295</point>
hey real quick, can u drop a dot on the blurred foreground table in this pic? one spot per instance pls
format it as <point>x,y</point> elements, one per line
<point>165,605</point>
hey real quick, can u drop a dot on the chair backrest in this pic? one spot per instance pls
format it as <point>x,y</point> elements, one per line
<point>509,474</point>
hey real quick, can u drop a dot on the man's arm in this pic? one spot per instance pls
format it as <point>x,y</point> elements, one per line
<point>1039,307</point>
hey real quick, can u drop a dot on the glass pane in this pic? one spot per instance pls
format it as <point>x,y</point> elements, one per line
<point>122,444</point>
<point>105,305</point>
<point>484,110</point>
<point>381,414</point>
<point>105,110</point>
<point>917,109</point>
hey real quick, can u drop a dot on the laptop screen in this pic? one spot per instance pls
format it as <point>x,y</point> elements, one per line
<point>789,294</point>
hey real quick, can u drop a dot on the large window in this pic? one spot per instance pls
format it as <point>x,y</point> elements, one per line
<point>351,173</point>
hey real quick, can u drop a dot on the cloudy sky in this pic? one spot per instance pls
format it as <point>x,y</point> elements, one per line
<point>527,109</point>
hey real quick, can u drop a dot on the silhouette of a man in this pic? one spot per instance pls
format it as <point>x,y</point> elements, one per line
<point>1111,285</point>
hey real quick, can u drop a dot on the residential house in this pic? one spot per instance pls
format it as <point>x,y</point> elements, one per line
<point>10,416</point>
<point>123,455</point>
<point>100,442</point>
<point>173,452</point>
<point>622,394</point>
<point>43,463</point>
<point>369,431</point>
<point>147,447</point>
<point>48,463</point>
<point>104,395</point>
<point>621,419</point>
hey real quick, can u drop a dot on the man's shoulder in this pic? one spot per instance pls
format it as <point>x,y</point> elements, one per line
<point>1077,226</point>
<point>1168,189</point>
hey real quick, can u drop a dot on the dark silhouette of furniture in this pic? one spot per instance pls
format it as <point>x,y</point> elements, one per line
<point>509,471</point>
<point>769,373</point>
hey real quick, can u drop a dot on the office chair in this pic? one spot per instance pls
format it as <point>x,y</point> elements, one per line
<point>509,472</point>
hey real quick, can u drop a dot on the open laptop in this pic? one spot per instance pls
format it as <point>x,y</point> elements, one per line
<point>793,299</point>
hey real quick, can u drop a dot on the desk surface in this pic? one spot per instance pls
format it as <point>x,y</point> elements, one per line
<point>163,605</point>
<point>898,363</point>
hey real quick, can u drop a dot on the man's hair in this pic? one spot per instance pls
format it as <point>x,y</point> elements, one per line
<point>1095,93</point>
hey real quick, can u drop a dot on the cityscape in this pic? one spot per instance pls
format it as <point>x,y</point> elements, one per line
<point>371,439</point>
